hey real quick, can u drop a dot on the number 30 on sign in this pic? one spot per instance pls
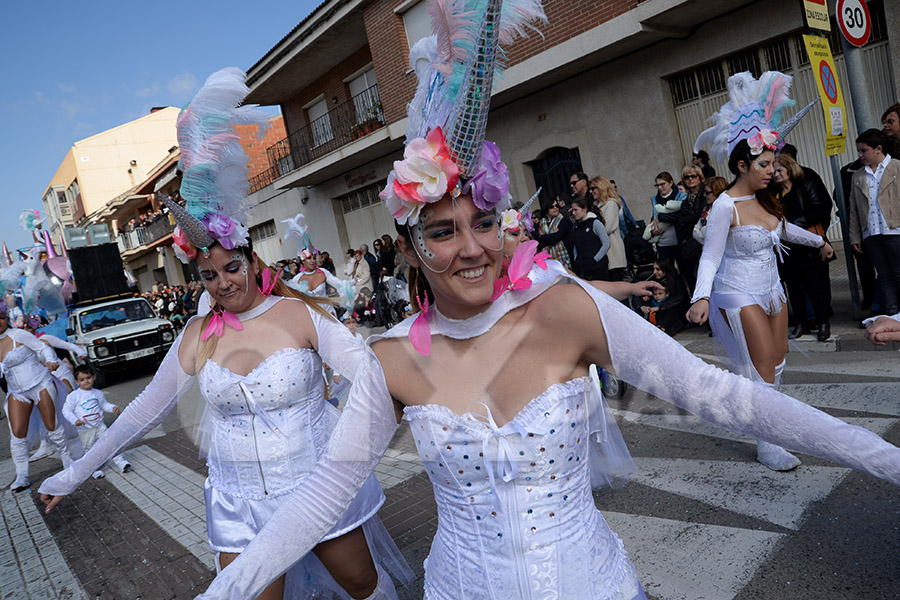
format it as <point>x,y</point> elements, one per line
<point>854,21</point>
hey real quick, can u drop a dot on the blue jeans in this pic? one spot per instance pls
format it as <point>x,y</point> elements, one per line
<point>884,250</point>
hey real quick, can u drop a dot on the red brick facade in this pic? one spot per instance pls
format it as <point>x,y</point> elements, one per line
<point>258,160</point>
<point>390,50</point>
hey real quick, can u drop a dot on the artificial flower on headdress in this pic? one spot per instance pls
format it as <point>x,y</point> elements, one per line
<point>762,140</point>
<point>213,162</point>
<point>425,175</point>
<point>489,186</point>
<point>509,220</point>
<point>184,249</point>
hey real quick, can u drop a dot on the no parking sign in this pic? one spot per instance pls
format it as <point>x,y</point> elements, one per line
<point>822,62</point>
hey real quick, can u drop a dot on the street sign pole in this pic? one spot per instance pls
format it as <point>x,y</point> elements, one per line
<point>853,17</point>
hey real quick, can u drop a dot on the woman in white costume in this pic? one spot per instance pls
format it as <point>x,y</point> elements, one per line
<point>63,373</point>
<point>26,364</point>
<point>512,441</point>
<point>258,358</point>
<point>738,287</point>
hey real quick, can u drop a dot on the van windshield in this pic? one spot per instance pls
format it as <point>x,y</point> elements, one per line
<point>98,318</point>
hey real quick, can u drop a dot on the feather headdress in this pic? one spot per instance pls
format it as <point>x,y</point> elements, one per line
<point>445,146</point>
<point>30,219</point>
<point>753,112</point>
<point>298,227</point>
<point>214,164</point>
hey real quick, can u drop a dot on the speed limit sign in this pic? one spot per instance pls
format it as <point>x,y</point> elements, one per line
<point>854,20</point>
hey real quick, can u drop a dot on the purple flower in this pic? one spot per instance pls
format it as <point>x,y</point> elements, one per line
<point>220,227</point>
<point>490,184</point>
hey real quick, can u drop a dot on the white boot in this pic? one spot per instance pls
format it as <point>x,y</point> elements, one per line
<point>385,588</point>
<point>776,457</point>
<point>18,450</point>
<point>58,439</point>
<point>44,450</point>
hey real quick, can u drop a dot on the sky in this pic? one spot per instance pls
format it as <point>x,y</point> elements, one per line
<point>76,69</point>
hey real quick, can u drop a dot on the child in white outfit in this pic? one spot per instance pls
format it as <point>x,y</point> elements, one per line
<point>84,408</point>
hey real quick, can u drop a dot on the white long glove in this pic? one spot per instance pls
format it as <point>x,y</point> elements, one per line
<point>641,355</point>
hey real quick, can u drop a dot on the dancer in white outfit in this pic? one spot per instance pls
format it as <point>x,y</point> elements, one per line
<point>738,287</point>
<point>26,364</point>
<point>258,357</point>
<point>512,441</point>
<point>63,373</point>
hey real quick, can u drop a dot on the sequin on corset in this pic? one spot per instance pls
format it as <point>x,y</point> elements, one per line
<point>534,533</point>
<point>277,413</point>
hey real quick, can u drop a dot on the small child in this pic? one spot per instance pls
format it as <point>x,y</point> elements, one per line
<point>84,408</point>
<point>660,295</point>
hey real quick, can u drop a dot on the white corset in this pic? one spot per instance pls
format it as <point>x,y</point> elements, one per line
<point>516,518</point>
<point>267,427</point>
<point>23,370</point>
<point>749,262</point>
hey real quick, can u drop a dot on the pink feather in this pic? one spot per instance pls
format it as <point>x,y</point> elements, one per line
<point>451,24</point>
<point>541,258</point>
<point>420,331</point>
<point>778,92</point>
<point>522,262</point>
<point>232,320</point>
<point>500,286</point>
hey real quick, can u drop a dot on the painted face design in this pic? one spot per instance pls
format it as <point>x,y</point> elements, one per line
<point>441,232</point>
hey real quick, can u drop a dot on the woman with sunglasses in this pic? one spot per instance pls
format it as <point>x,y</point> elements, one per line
<point>684,220</point>
<point>607,202</point>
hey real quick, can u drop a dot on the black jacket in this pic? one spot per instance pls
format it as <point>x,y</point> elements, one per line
<point>807,204</point>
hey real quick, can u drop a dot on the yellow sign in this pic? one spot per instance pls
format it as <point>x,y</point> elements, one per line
<point>816,14</point>
<point>825,73</point>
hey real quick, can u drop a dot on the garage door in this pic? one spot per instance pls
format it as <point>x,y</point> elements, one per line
<point>365,216</point>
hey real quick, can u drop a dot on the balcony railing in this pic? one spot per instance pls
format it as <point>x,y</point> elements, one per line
<point>351,120</point>
<point>146,234</point>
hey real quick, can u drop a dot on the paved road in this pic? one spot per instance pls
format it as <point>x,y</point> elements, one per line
<point>701,520</point>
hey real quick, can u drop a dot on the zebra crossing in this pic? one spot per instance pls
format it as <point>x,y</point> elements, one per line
<point>704,556</point>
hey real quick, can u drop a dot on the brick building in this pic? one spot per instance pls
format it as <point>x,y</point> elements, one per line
<point>613,87</point>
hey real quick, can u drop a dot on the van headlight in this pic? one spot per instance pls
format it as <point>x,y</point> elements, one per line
<point>168,336</point>
<point>102,351</point>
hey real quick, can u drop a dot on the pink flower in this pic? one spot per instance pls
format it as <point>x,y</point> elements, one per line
<point>182,243</point>
<point>268,281</point>
<point>765,138</point>
<point>490,184</point>
<point>425,175</point>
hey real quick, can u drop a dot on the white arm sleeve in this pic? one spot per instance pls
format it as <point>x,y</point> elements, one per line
<point>105,405</point>
<point>357,444</point>
<point>651,360</point>
<point>798,235</point>
<point>339,349</point>
<point>143,414</point>
<point>67,411</point>
<point>718,222</point>
<point>63,344</point>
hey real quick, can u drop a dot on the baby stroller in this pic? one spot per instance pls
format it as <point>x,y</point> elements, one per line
<point>639,253</point>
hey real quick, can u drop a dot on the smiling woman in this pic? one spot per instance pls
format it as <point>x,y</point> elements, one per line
<point>257,356</point>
